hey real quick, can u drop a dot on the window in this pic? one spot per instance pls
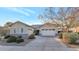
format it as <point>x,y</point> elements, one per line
<point>21,30</point>
<point>14,30</point>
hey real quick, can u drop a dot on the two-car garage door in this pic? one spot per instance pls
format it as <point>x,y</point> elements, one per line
<point>48,32</point>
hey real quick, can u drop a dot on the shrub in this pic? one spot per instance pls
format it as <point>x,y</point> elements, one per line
<point>19,40</point>
<point>60,35</point>
<point>19,36</point>
<point>32,36</point>
<point>78,32</point>
<point>36,32</point>
<point>73,38</point>
<point>6,36</point>
<point>65,37</point>
<point>11,39</point>
<point>14,39</point>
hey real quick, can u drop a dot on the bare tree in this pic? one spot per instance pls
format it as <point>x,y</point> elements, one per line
<point>65,17</point>
<point>8,24</point>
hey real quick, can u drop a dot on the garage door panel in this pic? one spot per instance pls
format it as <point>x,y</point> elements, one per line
<point>48,33</point>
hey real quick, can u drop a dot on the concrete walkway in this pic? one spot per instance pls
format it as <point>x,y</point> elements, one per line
<point>40,44</point>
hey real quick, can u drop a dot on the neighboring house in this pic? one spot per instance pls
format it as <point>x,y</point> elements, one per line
<point>37,26</point>
<point>20,29</point>
<point>1,30</point>
<point>48,29</point>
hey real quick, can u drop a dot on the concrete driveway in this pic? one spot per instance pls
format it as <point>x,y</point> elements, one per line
<point>40,44</point>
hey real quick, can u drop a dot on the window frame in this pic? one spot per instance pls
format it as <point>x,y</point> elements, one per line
<point>22,30</point>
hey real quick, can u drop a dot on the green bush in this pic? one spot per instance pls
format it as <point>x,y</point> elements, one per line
<point>19,36</point>
<point>78,32</point>
<point>73,38</point>
<point>32,36</point>
<point>6,36</point>
<point>14,39</point>
<point>19,40</point>
<point>11,39</point>
<point>36,32</point>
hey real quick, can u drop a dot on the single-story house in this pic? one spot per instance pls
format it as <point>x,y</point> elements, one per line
<point>20,29</point>
<point>48,29</point>
<point>1,30</point>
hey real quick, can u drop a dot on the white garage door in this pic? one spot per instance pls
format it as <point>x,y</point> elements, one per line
<point>48,32</point>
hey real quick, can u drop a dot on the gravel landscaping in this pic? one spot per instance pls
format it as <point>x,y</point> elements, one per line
<point>4,43</point>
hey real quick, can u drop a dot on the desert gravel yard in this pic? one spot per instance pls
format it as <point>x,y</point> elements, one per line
<point>40,44</point>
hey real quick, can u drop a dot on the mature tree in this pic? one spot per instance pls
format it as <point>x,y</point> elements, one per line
<point>65,17</point>
<point>5,29</point>
<point>8,24</point>
<point>47,15</point>
<point>70,18</point>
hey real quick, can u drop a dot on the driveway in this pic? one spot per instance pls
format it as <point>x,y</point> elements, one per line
<point>40,44</point>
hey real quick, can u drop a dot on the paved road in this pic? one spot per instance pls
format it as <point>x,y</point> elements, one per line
<point>40,44</point>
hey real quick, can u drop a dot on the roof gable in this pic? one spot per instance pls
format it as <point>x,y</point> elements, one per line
<point>21,23</point>
<point>48,25</point>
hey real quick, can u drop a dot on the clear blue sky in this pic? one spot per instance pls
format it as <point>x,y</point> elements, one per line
<point>27,15</point>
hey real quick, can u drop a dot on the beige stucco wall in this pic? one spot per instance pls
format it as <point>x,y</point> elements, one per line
<point>18,26</point>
